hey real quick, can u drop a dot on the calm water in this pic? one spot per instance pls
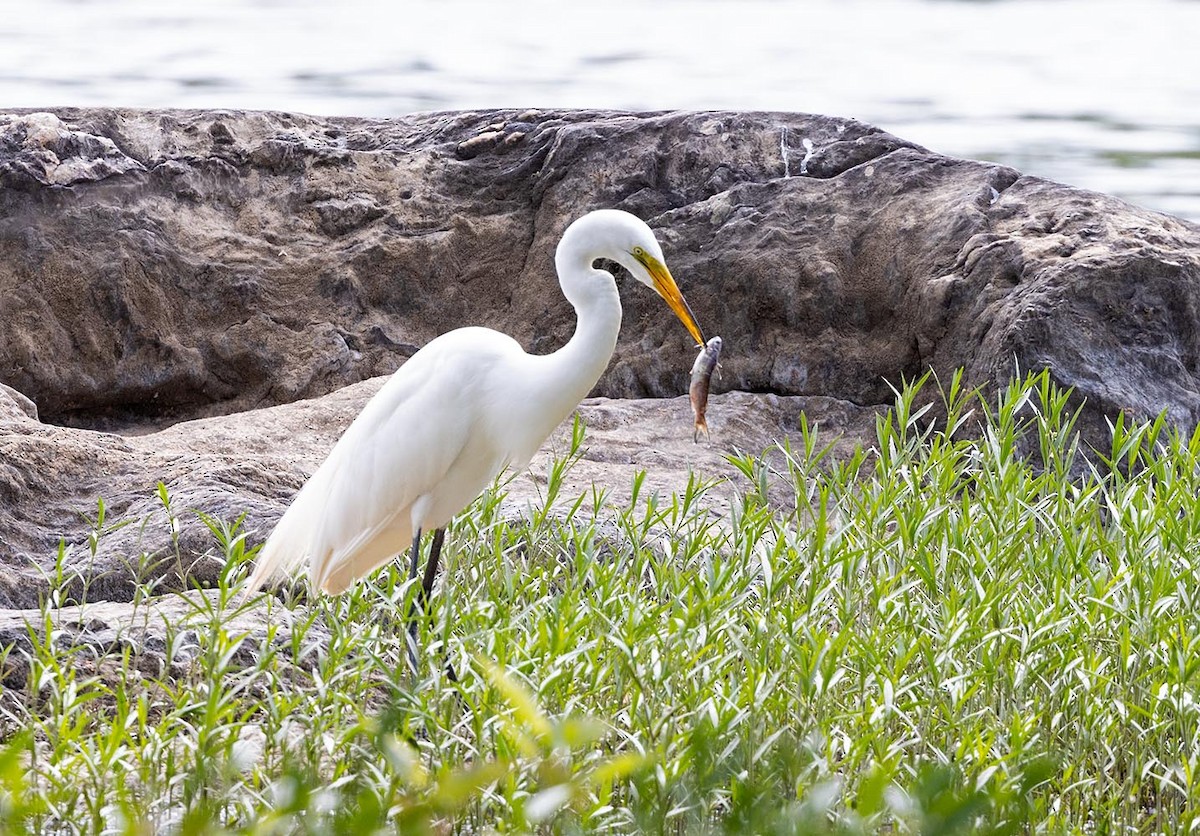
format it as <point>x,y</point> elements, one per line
<point>1104,95</point>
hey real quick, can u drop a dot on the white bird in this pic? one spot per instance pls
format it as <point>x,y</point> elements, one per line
<point>464,407</point>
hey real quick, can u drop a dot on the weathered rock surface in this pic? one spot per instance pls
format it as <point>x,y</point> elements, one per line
<point>178,264</point>
<point>168,265</point>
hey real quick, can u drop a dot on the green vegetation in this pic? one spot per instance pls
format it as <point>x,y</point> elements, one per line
<point>940,635</point>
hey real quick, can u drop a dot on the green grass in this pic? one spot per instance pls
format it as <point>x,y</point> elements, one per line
<point>966,628</point>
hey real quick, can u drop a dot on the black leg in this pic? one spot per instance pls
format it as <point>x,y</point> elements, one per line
<point>414,554</point>
<point>431,568</point>
<point>435,552</point>
<point>422,603</point>
<point>412,621</point>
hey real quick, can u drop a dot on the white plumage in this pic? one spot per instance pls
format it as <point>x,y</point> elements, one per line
<point>464,407</point>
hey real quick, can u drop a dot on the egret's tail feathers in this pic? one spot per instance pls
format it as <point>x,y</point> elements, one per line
<point>275,559</point>
<point>288,546</point>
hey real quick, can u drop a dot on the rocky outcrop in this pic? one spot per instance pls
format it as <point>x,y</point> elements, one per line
<point>166,266</point>
<point>178,264</point>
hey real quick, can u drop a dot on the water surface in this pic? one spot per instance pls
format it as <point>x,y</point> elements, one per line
<point>1103,95</point>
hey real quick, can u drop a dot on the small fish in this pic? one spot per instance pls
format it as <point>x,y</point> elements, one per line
<point>702,372</point>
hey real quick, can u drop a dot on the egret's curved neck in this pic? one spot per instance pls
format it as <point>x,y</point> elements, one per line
<point>567,375</point>
<point>593,294</point>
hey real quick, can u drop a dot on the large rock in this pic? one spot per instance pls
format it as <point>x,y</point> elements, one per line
<point>176,264</point>
<point>183,264</point>
<point>167,265</point>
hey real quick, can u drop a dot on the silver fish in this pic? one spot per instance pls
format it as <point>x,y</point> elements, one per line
<point>702,372</point>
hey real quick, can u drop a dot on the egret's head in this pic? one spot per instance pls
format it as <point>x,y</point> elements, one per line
<point>652,271</point>
<point>627,240</point>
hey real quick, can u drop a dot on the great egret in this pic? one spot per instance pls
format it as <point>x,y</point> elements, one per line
<point>464,407</point>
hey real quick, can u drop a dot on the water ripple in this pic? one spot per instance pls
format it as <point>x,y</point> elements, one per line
<point>1098,93</point>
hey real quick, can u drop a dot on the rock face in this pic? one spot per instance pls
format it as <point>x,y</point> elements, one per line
<point>157,266</point>
<point>177,264</point>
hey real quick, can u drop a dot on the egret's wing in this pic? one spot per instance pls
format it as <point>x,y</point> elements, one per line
<point>368,551</point>
<point>355,512</point>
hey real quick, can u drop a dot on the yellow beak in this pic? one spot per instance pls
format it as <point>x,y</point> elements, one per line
<point>669,291</point>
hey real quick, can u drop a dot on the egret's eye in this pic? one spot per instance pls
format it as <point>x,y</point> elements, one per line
<point>638,252</point>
